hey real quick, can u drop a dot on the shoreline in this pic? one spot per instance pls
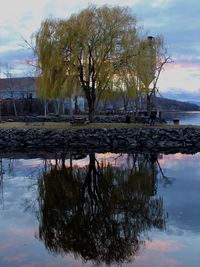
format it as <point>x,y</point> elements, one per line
<point>141,139</point>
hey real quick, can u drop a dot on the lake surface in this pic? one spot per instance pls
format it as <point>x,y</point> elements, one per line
<point>186,118</point>
<point>104,209</point>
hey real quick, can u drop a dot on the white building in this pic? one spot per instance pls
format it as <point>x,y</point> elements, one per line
<point>17,88</point>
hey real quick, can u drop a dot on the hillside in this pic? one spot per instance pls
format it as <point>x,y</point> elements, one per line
<point>175,105</point>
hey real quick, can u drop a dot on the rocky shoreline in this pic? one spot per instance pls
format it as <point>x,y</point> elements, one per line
<point>168,140</point>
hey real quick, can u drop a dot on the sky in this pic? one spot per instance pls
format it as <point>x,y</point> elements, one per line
<point>177,21</point>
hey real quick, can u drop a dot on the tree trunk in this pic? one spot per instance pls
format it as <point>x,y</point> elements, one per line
<point>63,106</point>
<point>91,114</point>
<point>57,106</point>
<point>136,105</point>
<point>105,106</point>
<point>91,107</point>
<point>71,106</point>
<point>148,104</point>
<point>76,104</point>
<point>15,109</point>
<point>45,108</point>
<point>0,110</point>
<point>125,104</point>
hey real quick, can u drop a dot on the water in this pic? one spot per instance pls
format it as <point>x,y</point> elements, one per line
<point>186,118</point>
<point>107,209</point>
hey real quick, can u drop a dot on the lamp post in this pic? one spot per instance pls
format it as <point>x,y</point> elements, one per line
<point>152,55</point>
<point>0,108</point>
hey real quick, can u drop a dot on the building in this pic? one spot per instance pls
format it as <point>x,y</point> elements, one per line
<point>18,88</point>
<point>25,88</point>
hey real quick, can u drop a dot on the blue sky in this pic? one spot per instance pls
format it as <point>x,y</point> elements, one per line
<point>178,21</point>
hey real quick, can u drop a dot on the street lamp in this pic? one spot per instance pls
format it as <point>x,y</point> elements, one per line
<point>0,108</point>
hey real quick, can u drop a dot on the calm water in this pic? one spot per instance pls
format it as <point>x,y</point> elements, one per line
<point>186,118</point>
<point>115,209</point>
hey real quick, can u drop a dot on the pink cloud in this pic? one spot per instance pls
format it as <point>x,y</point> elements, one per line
<point>152,260</point>
<point>23,232</point>
<point>163,245</point>
<point>187,63</point>
<point>177,159</point>
<point>67,261</point>
<point>30,265</point>
<point>168,262</point>
<point>9,244</point>
<point>15,258</point>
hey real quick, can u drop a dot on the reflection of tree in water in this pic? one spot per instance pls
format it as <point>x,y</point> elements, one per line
<point>98,211</point>
<point>1,182</point>
<point>10,168</point>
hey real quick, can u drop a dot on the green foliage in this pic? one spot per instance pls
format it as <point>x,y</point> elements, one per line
<point>96,52</point>
<point>148,62</point>
<point>84,51</point>
<point>125,86</point>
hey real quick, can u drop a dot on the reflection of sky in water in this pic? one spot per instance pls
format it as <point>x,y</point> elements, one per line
<point>182,199</point>
<point>177,246</point>
<point>186,118</point>
<point>117,160</point>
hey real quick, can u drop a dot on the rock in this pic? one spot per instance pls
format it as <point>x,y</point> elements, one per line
<point>120,139</point>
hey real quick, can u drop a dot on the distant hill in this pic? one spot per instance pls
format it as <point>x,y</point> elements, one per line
<point>196,102</point>
<point>183,96</point>
<point>175,105</point>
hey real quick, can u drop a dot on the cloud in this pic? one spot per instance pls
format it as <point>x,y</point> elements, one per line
<point>163,245</point>
<point>155,260</point>
<point>19,258</point>
<point>177,21</point>
<point>183,212</point>
<point>183,77</point>
<point>15,55</point>
<point>160,3</point>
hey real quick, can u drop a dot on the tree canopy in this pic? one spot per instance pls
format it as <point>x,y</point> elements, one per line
<point>84,51</point>
<point>95,51</point>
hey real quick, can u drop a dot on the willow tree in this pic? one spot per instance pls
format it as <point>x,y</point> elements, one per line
<point>149,62</point>
<point>125,86</point>
<point>51,82</point>
<point>84,51</point>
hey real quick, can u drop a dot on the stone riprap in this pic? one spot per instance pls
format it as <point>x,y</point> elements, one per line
<point>101,119</point>
<point>113,139</point>
<point>97,119</point>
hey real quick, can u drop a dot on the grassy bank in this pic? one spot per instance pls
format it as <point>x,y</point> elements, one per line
<point>68,126</point>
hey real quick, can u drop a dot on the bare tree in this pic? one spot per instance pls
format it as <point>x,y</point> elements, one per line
<point>11,86</point>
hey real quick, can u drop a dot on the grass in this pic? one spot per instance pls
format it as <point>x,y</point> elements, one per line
<point>68,126</point>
